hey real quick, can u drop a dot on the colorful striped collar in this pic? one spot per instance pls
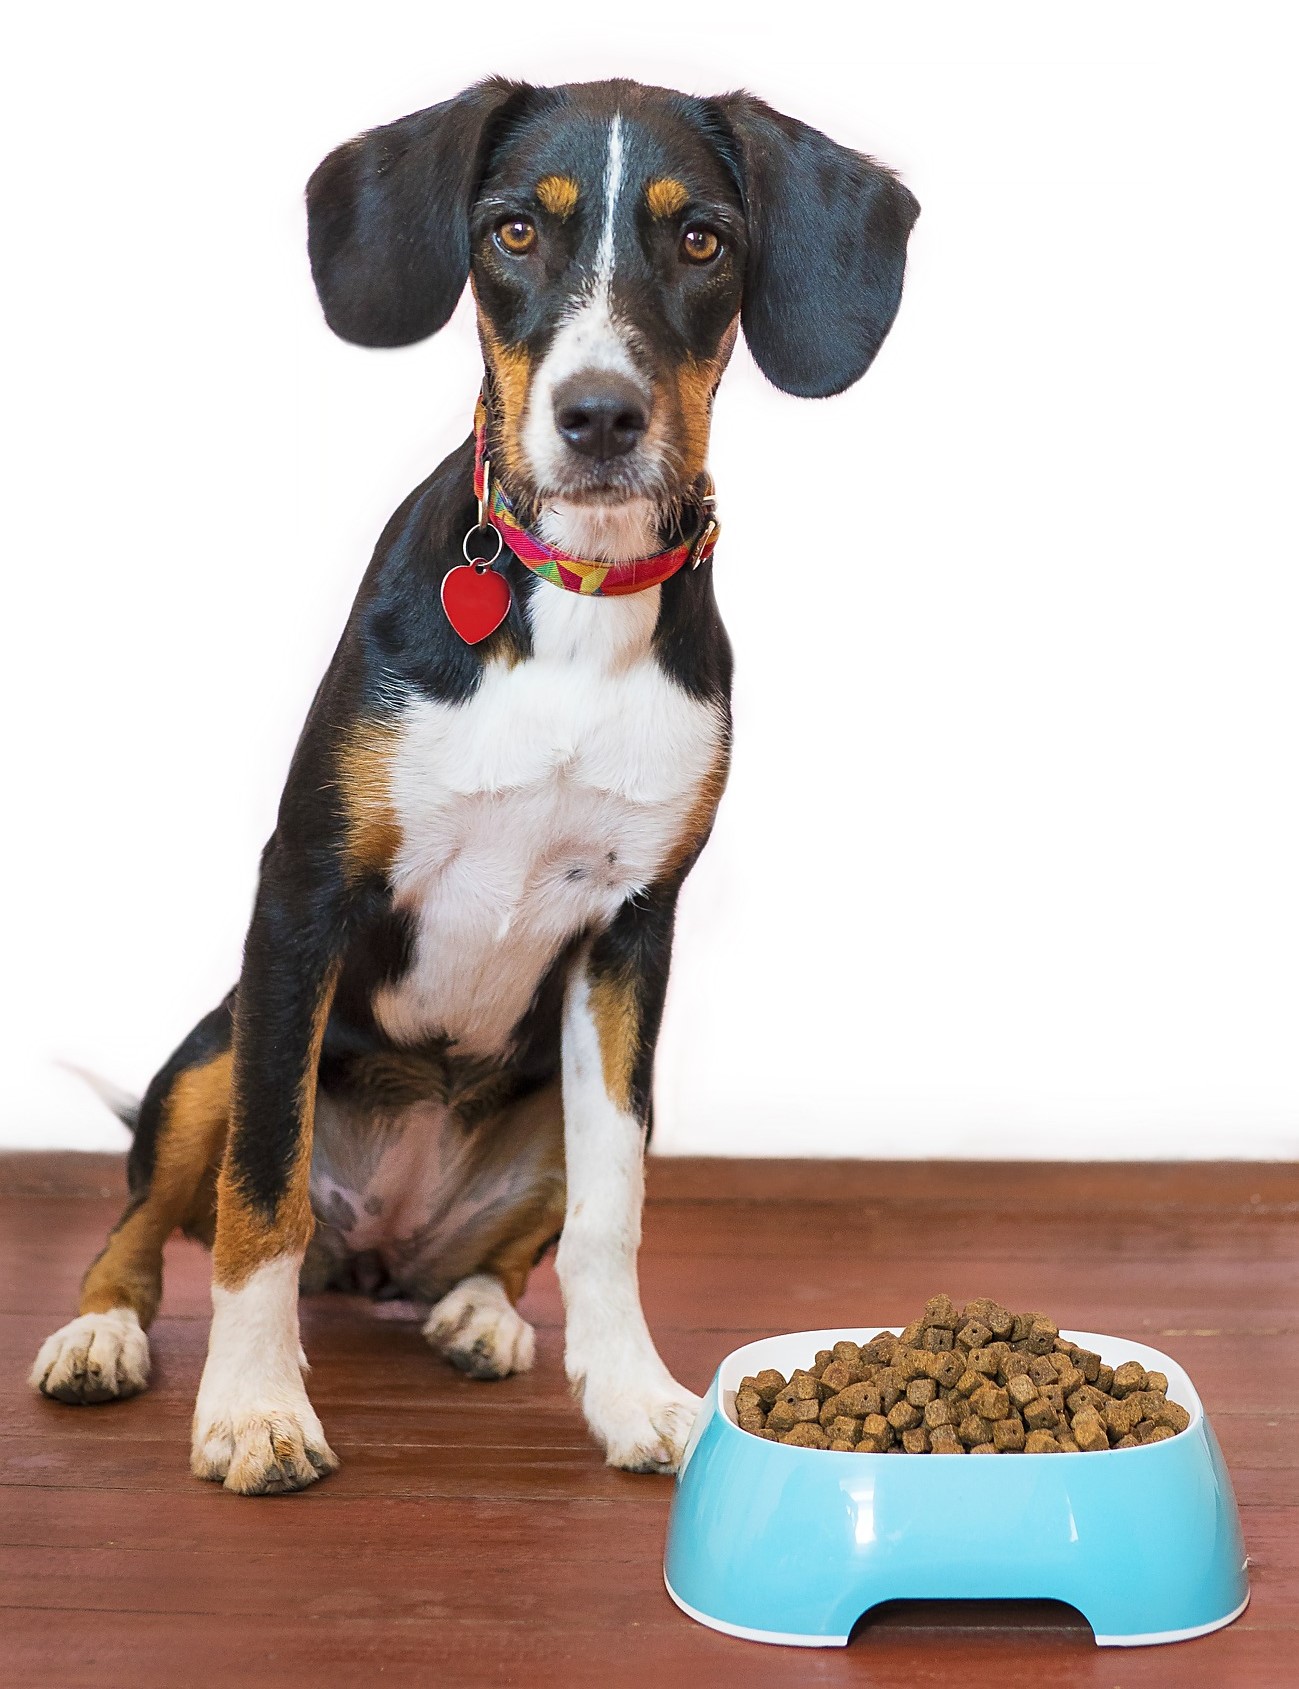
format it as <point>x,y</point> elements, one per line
<point>580,574</point>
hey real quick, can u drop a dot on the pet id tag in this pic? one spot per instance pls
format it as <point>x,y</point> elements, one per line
<point>476,599</point>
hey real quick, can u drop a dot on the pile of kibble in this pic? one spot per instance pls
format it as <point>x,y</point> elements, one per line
<point>976,1379</point>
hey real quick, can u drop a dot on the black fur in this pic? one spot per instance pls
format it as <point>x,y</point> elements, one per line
<point>828,235</point>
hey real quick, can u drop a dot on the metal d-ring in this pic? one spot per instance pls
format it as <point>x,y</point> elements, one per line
<point>481,563</point>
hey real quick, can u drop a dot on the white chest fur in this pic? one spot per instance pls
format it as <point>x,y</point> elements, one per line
<point>534,810</point>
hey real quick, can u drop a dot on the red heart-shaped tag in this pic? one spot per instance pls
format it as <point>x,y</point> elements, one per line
<point>476,601</point>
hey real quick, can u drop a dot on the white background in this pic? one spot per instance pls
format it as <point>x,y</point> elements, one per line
<point>1008,864</point>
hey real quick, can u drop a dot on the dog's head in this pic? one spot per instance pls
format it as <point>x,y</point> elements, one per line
<point>615,236</point>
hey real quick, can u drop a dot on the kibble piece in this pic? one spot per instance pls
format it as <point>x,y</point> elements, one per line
<point>747,1401</point>
<point>1158,1382</point>
<point>875,1425</point>
<point>1089,1431</point>
<point>879,1351</point>
<point>946,1369</point>
<point>1041,1371</point>
<point>1070,1377</point>
<point>1013,1365</point>
<point>1021,1328</point>
<point>921,1391</point>
<point>1128,1442</point>
<point>943,1440</point>
<point>1039,1415</point>
<point>1055,1395</point>
<point>823,1359</point>
<point>802,1387</point>
<point>974,1335</point>
<point>1088,1364</point>
<point>940,1313</point>
<point>974,1429</point>
<point>860,1399</point>
<point>1129,1377</point>
<point>1120,1417</point>
<point>938,1413</point>
<point>985,1448</point>
<point>806,1436</point>
<point>990,1401</point>
<point>841,1445</point>
<point>1042,1335</point>
<point>1160,1432</point>
<point>1104,1378</point>
<point>844,1430</point>
<point>1020,1390</point>
<point>910,1364</point>
<point>838,1376</point>
<point>999,1321</point>
<point>969,1382</point>
<point>848,1352</point>
<point>1008,1435</point>
<point>916,1440</point>
<point>910,1334</point>
<point>1172,1416</point>
<point>769,1383</point>
<point>1041,1442</point>
<point>904,1416</point>
<point>1144,1430</point>
<point>936,1338</point>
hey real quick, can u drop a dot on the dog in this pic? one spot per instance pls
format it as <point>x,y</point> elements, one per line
<point>436,1063</point>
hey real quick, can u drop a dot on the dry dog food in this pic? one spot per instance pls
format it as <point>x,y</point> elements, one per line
<point>971,1380</point>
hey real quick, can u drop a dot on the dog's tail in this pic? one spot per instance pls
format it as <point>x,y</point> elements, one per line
<point>123,1105</point>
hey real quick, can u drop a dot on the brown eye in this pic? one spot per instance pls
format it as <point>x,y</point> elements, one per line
<point>700,246</point>
<point>516,236</point>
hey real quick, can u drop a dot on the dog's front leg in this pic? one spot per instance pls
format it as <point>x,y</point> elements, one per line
<point>612,1007</point>
<point>254,1428</point>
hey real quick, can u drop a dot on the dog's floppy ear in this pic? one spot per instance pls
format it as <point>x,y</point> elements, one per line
<point>388,217</point>
<point>827,234</point>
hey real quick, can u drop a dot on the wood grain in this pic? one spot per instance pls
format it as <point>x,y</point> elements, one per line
<point>473,1535</point>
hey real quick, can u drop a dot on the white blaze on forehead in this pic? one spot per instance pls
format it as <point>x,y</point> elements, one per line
<point>589,337</point>
<point>611,188</point>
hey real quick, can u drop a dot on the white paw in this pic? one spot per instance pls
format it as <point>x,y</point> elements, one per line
<point>264,1450</point>
<point>642,1424</point>
<point>477,1328</point>
<point>95,1358</point>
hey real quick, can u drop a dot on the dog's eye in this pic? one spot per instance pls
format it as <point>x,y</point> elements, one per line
<point>700,245</point>
<point>516,236</point>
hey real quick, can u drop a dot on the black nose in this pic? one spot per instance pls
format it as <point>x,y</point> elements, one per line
<point>600,414</point>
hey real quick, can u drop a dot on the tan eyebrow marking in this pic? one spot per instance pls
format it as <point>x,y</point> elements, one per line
<point>558,194</point>
<point>665,196</point>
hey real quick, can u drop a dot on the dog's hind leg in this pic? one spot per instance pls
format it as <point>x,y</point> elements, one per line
<point>518,1188</point>
<point>180,1134</point>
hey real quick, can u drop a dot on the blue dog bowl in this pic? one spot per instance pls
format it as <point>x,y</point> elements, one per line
<point>794,1545</point>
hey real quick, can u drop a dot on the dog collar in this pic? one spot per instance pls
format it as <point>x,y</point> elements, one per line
<point>477,599</point>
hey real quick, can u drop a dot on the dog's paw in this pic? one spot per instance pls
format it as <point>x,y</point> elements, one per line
<point>476,1327</point>
<point>95,1358</point>
<point>642,1428</point>
<point>262,1451</point>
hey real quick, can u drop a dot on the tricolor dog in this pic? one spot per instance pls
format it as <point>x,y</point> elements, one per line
<point>437,1059</point>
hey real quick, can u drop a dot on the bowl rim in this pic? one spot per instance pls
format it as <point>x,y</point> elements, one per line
<point>732,1368</point>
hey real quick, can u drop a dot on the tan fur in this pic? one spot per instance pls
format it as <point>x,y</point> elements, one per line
<point>665,196</point>
<point>128,1272</point>
<point>245,1238</point>
<point>696,380</point>
<point>558,195</point>
<point>699,818</point>
<point>617,1023</point>
<point>511,370</point>
<point>364,771</point>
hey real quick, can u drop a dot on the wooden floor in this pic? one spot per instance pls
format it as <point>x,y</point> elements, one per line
<point>473,1535</point>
